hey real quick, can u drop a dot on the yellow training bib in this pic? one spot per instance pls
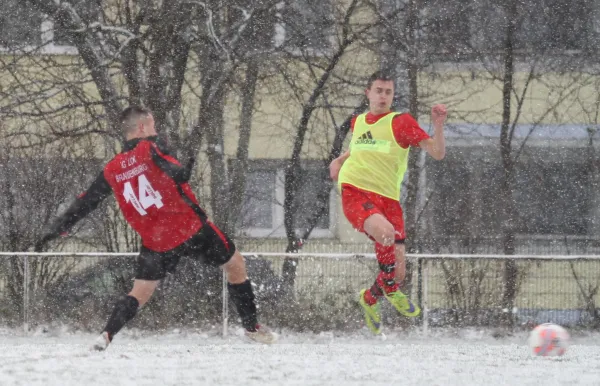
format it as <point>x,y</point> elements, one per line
<point>377,163</point>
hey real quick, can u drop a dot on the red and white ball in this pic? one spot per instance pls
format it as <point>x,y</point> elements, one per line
<point>549,340</point>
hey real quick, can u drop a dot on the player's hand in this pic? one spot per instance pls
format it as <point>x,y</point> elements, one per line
<point>38,247</point>
<point>439,113</point>
<point>47,237</point>
<point>334,169</point>
<point>41,243</point>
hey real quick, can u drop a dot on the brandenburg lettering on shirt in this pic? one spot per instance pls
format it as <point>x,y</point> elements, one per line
<point>131,173</point>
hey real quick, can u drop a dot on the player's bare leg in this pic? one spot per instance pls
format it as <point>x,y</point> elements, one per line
<point>236,269</point>
<point>125,310</point>
<point>242,295</point>
<point>379,228</point>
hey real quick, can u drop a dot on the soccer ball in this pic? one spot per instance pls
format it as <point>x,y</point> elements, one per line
<point>549,340</point>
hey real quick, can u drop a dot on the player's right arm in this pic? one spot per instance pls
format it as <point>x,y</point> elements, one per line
<point>83,205</point>
<point>436,146</point>
<point>180,174</point>
<point>336,165</point>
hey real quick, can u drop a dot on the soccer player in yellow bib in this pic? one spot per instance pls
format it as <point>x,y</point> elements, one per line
<point>370,174</point>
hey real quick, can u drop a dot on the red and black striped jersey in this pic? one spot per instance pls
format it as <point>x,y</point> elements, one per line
<point>153,194</point>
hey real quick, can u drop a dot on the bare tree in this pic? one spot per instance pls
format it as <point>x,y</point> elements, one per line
<point>540,61</point>
<point>293,168</point>
<point>507,51</point>
<point>401,54</point>
<point>323,94</point>
<point>166,55</point>
<point>169,54</point>
<point>235,39</point>
<point>33,190</point>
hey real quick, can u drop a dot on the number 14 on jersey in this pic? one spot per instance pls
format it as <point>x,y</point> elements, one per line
<point>147,195</point>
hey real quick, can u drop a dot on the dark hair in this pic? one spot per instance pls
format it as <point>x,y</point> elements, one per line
<point>130,116</point>
<point>380,75</point>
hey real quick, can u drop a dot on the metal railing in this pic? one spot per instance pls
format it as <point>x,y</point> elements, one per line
<point>452,289</point>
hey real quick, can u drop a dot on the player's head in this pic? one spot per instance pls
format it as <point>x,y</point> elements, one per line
<point>137,122</point>
<point>380,92</point>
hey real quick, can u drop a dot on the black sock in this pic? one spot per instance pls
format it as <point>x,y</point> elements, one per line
<point>243,298</point>
<point>124,311</point>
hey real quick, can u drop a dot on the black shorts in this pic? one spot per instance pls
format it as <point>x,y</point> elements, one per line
<point>210,245</point>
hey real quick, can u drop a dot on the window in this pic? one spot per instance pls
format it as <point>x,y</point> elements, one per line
<point>553,197</point>
<point>552,192</point>
<point>260,31</point>
<point>305,26</point>
<point>554,25</point>
<point>20,24</point>
<point>262,212</point>
<point>307,202</point>
<point>260,201</point>
<point>89,12</point>
<point>463,28</point>
<point>446,23</point>
<point>23,27</point>
<point>455,203</point>
<point>296,27</point>
<point>487,22</point>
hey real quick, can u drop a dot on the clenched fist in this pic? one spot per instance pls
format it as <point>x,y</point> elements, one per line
<point>439,114</point>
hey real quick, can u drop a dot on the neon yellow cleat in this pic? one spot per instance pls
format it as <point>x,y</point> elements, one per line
<point>403,304</point>
<point>372,315</point>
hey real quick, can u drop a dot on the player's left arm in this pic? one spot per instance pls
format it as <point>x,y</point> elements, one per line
<point>436,145</point>
<point>83,205</point>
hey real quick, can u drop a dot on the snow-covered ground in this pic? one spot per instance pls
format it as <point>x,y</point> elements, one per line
<point>191,358</point>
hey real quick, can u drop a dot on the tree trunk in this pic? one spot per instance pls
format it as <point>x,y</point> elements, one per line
<point>293,168</point>
<point>219,183</point>
<point>414,172</point>
<point>414,167</point>
<point>240,168</point>
<point>511,271</point>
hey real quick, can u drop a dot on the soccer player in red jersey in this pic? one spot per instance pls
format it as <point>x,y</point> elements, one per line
<point>370,175</point>
<point>152,190</point>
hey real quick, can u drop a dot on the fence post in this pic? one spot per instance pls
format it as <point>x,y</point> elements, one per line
<point>425,297</point>
<point>26,293</point>
<point>225,304</point>
<point>420,281</point>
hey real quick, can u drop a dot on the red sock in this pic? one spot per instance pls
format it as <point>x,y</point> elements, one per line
<point>373,294</point>
<point>386,257</point>
<point>387,282</point>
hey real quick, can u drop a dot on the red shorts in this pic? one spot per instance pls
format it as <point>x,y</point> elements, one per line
<point>359,204</point>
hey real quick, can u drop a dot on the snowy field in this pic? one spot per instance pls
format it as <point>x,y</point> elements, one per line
<point>188,358</point>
